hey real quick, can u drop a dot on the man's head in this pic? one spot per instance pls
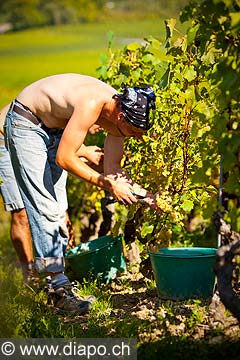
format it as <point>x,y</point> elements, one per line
<point>135,104</point>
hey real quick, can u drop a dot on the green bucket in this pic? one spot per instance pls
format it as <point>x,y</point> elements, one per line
<point>182,273</point>
<point>102,258</point>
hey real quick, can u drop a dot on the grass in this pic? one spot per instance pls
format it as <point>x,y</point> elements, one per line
<point>32,54</point>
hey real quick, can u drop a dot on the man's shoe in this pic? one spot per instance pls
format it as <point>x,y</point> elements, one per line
<point>66,299</point>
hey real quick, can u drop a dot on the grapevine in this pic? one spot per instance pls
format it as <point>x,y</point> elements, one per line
<point>195,76</point>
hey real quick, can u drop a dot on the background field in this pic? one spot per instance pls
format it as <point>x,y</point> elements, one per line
<point>29,55</point>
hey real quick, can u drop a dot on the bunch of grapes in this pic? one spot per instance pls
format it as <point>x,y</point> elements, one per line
<point>165,203</point>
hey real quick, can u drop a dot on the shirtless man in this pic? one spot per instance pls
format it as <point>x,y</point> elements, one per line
<point>57,112</point>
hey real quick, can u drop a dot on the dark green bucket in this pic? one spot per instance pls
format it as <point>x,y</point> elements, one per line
<point>102,258</point>
<point>182,273</point>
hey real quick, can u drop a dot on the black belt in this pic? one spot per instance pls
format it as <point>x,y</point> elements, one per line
<point>34,119</point>
<point>28,115</point>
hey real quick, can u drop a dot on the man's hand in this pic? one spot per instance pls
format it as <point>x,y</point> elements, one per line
<point>95,129</point>
<point>122,191</point>
<point>93,154</point>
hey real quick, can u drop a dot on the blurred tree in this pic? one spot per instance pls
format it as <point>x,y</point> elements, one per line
<point>30,13</point>
<point>21,13</point>
<point>142,8</point>
<point>70,11</point>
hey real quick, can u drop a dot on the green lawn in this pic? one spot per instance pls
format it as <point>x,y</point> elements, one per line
<point>29,55</point>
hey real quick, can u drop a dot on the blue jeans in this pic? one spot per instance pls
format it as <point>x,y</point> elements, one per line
<point>42,184</point>
<point>10,193</point>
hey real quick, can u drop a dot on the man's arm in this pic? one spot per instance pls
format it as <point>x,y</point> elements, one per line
<point>113,149</point>
<point>92,153</point>
<point>113,154</point>
<point>67,155</point>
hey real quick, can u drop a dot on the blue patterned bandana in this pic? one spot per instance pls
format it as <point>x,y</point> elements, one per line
<point>135,105</point>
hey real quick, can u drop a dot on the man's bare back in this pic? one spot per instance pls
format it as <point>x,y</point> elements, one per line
<point>55,98</point>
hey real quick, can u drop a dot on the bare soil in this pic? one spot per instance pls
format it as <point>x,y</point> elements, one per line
<point>197,319</point>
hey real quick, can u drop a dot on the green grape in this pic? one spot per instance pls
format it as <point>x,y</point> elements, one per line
<point>164,203</point>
